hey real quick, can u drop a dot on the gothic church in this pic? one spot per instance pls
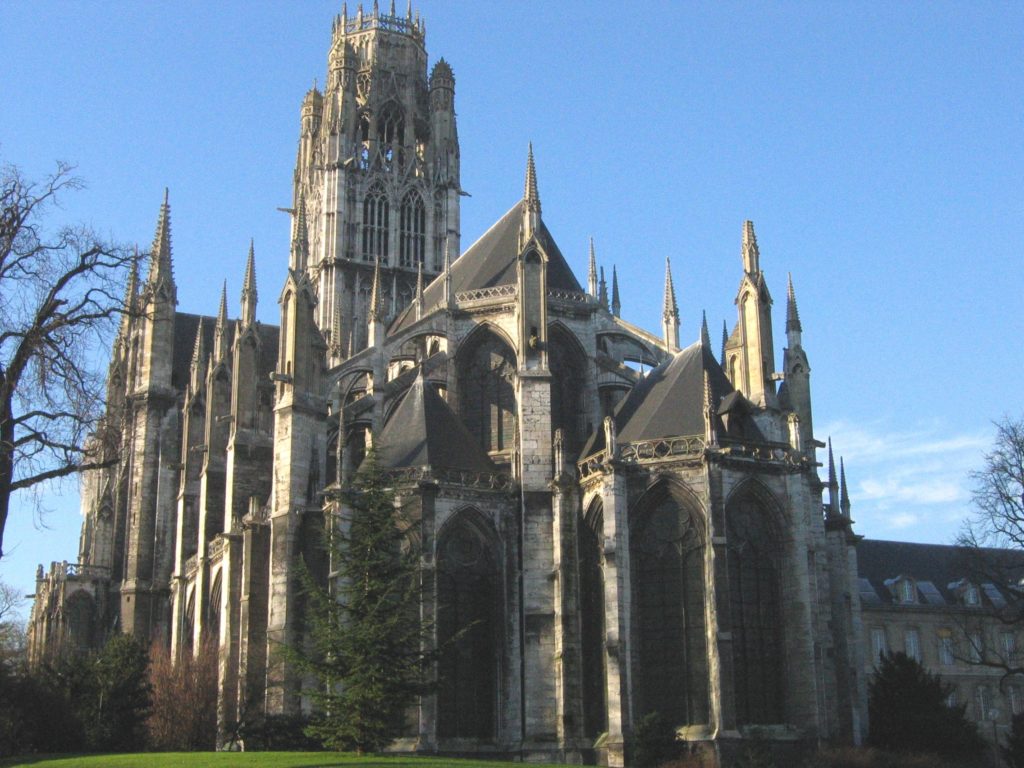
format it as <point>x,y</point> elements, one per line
<point>620,542</point>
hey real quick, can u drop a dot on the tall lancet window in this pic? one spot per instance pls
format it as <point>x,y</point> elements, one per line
<point>376,220</point>
<point>487,391</point>
<point>413,230</point>
<point>754,595</point>
<point>668,561</point>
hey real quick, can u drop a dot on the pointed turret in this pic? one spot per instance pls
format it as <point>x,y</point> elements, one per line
<point>449,290</point>
<point>705,335</point>
<point>602,291</point>
<point>337,334</point>
<point>375,315</point>
<point>833,483</point>
<point>670,312</point>
<point>197,368</point>
<point>220,330</point>
<point>130,305</point>
<point>249,294</point>
<point>160,281</point>
<point>300,236</point>
<point>751,256</point>
<point>616,303</point>
<point>844,496</point>
<point>793,327</point>
<point>531,199</point>
<point>725,341</point>
<point>592,271</point>
<point>750,353</point>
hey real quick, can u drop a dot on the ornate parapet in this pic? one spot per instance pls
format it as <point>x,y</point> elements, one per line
<point>487,481</point>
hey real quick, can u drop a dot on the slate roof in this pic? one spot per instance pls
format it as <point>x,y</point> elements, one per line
<point>423,431</point>
<point>669,401</point>
<point>185,325</point>
<point>936,569</point>
<point>491,261</point>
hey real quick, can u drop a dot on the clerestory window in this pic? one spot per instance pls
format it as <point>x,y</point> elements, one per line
<point>412,230</point>
<point>376,221</point>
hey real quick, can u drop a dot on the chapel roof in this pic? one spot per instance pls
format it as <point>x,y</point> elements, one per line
<point>424,432</point>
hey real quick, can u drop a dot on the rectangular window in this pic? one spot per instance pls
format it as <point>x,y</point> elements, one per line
<point>946,656</point>
<point>974,647</point>
<point>878,645</point>
<point>907,592</point>
<point>1016,702</point>
<point>982,701</point>
<point>1008,640</point>
<point>912,644</point>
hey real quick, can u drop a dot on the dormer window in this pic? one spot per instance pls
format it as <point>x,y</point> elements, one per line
<point>968,593</point>
<point>971,596</point>
<point>905,591</point>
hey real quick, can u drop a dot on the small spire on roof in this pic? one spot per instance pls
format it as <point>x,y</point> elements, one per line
<point>530,194</point>
<point>751,256</point>
<point>449,290</point>
<point>602,291</point>
<point>392,12</point>
<point>376,304</point>
<point>419,290</point>
<point>833,484</point>
<point>337,332</point>
<point>249,294</point>
<point>220,329</point>
<point>616,304</point>
<point>670,310</point>
<point>792,314</point>
<point>705,336</point>
<point>725,340</point>
<point>844,496</point>
<point>592,271</point>
<point>160,267</point>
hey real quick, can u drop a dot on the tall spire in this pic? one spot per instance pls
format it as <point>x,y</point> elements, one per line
<point>833,484</point>
<point>160,265</point>
<point>725,341</point>
<point>751,256</point>
<point>198,359</point>
<point>844,496</point>
<point>220,330</point>
<point>616,304</point>
<point>602,291</point>
<point>792,313</point>
<point>705,335</point>
<point>592,271</point>
<point>300,241</point>
<point>249,294</point>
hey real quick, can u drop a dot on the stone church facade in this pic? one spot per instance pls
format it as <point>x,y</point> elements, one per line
<point>627,524</point>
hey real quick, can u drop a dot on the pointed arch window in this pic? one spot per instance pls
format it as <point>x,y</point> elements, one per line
<point>668,556</point>
<point>376,222</point>
<point>468,628</point>
<point>412,230</point>
<point>487,393</point>
<point>754,555</point>
<point>592,621</point>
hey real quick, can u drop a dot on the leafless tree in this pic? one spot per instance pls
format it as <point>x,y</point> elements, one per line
<point>12,630</point>
<point>61,294</point>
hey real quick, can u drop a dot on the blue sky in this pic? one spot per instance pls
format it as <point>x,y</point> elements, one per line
<point>878,148</point>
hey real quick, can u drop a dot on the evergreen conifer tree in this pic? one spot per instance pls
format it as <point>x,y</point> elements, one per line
<point>365,639</point>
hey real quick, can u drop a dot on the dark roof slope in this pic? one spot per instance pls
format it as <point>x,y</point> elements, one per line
<point>185,325</point>
<point>669,401</point>
<point>423,431</point>
<point>491,261</point>
<point>936,568</point>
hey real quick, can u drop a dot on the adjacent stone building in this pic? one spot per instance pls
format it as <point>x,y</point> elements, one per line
<point>626,524</point>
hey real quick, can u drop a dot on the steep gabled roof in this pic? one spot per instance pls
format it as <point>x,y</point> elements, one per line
<point>491,261</point>
<point>424,432</point>
<point>669,401</point>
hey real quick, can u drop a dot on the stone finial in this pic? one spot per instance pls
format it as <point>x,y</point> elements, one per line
<point>161,265</point>
<point>710,432</point>
<point>592,271</point>
<point>220,329</point>
<point>530,195</point>
<point>616,303</point>
<point>249,294</point>
<point>610,447</point>
<point>337,332</point>
<point>419,290</point>
<point>449,290</point>
<point>725,341</point>
<point>376,303</point>
<point>792,313</point>
<point>705,335</point>
<point>844,496</point>
<point>602,291</point>
<point>751,256</point>
<point>833,483</point>
<point>670,309</point>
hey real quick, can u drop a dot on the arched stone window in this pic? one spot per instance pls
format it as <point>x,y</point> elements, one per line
<point>391,125</point>
<point>668,566</point>
<point>592,621</point>
<point>566,361</point>
<point>376,221</point>
<point>755,611</point>
<point>213,609</point>
<point>412,231</point>
<point>80,612</point>
<point>468,630</point>
<point>487,392</point>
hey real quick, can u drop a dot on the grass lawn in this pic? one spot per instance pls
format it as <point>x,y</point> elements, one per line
<point>246,760</point>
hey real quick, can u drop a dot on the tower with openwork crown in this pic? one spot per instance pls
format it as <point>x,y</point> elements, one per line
<point>377,173</point>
